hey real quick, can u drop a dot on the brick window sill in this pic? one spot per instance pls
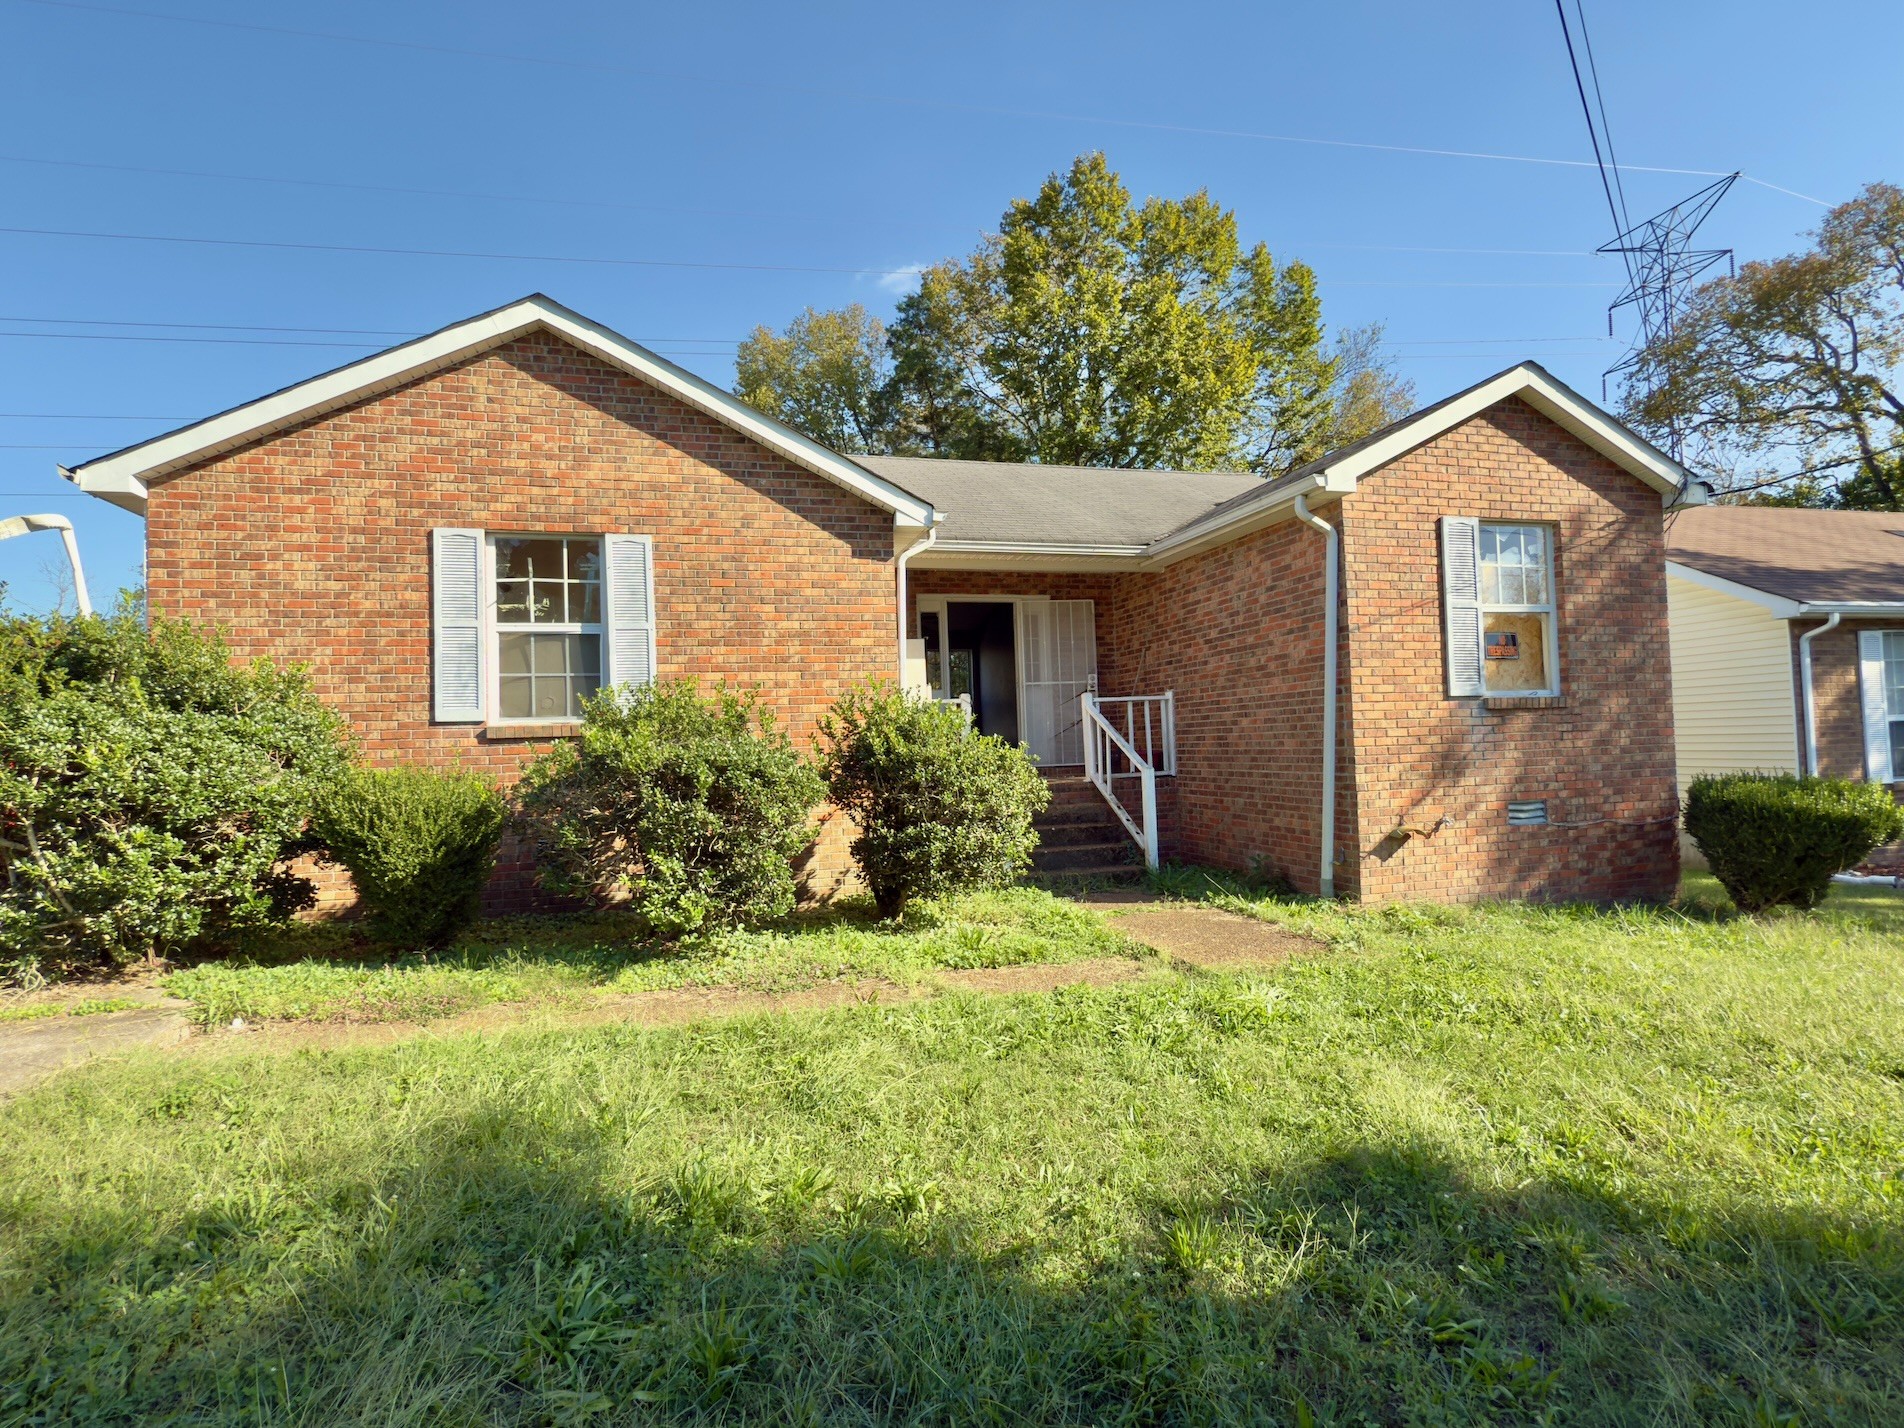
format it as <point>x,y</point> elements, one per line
<point>567,729</point>
<point>1543,701</point>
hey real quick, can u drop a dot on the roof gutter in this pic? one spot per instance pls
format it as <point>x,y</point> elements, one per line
<point>1331,583</point>
<point>1804,680</point>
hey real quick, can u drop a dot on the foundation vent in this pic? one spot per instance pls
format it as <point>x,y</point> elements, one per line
<point>1527,813</point>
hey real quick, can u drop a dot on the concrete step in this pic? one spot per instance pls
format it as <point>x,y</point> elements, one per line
<point>1082,831</point>
<point>1072,859</point>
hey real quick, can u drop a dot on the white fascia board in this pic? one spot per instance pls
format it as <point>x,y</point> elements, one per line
<point>123,474</point>
<point>1852,607</point>
<point>1015,555</point>
<point>1268,511</point>
<point>1777,606</point>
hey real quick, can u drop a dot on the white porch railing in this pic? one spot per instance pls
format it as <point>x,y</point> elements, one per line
<point>1145,747</point>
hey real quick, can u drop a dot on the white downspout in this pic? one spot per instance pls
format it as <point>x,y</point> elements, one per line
<point>1331,582</point>
<point>1804,679</point>
<point>932,534</point>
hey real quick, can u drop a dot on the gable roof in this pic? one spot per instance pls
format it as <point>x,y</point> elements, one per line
<point>1805,559</point>
<point>1083,509</point>
<point>1337,473</point>
<point>122,476</point>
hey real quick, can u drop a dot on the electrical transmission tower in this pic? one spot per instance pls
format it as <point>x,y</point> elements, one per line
<point>1661,262</point>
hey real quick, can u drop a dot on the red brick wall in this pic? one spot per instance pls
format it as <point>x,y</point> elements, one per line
<point>314,545</point>
<point>1606,751</point>
<point>1237,633</point>
<point>1840,712</point>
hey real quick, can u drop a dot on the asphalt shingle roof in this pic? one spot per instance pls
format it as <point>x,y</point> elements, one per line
<point>1059,505</point>
<point>1824,557</point>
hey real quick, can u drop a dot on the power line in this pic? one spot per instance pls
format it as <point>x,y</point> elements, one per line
<point>1624,221</point>
<point>905,101</point>
<point>378,251</point>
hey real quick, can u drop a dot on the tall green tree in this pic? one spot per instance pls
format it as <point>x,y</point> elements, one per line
<point>1089,330</point>
<point>1797,362</point>
<point>828,375</point>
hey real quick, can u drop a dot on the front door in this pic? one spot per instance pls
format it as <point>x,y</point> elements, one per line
<point>1057,661</point>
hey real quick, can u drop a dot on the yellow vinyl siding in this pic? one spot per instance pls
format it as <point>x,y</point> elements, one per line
<point>1733,702</point>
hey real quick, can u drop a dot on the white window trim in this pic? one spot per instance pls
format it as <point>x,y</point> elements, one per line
<point>494,629</point>
<point>1883,700</point>
<point>1551,609</point>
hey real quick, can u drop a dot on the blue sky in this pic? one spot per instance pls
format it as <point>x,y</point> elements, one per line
<point>820,151</point>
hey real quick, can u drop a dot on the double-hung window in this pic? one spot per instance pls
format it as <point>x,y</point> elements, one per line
<point>1517,609</point>
<point>1497,580</point>
<point>548,624</point>
<point>524,628</point>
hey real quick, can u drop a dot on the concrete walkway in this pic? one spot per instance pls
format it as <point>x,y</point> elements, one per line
<point>33,1050</point>
<point>1189,937</point>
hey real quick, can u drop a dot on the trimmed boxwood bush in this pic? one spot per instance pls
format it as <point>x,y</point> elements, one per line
<point>1776,839</point>
<point>419,843</point>
<point>150,790</point>
<point>941,808</point>
<point>689,809</point>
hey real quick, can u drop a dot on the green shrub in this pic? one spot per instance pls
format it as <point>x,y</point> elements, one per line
<point>941,808</point>
<point>1775,839</point>
<point>419,843</point>
<point>691,809</point>
<point>149,790</point>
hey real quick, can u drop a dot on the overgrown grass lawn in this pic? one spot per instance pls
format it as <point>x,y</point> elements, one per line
<point>1502,1165</point>
<point>325,974</point>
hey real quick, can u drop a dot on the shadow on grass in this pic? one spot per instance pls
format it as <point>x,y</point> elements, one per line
<point>500,1274</point>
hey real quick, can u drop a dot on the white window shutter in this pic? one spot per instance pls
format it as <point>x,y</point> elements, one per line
<point>456,618</point>
<point>629,609</point>
<point>1461,603</point>
<point>1877,722</point>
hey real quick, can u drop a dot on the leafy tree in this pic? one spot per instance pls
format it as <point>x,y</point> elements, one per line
<point>829,375</point>
<point>1801,355</point>
<point>1367,394</point>
<point>1089,330</point>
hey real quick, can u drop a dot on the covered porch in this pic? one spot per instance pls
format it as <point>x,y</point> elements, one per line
<point>1032,659</point>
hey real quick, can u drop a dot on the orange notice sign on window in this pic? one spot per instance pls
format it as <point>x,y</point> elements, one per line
<point>1503,644</point>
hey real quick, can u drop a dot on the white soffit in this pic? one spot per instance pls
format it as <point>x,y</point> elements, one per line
<point>121,477</point>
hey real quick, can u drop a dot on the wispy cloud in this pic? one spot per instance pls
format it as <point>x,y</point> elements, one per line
<point>901,280</point>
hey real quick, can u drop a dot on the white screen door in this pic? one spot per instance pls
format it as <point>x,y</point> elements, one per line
<point>1059,663</point>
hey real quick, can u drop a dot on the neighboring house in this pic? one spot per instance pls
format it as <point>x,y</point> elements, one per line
<point>466,534</point>
<point>1788,643</point>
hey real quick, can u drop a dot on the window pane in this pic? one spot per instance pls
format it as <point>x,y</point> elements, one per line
<point>551,653</point>
<point>513,653</point>
<point>586,658</point>
<point>1509,538</point>
<point>512,601</point>
<point>585,603</point>
<point>1490,583</point>
<point>1515,652</point>
<point>1490,543</point>
<point>1897,747</point>
<point>517,697</point>
<point>584,685</point>
<point>529,558</point>
<point>1513,591</point>
<point>551,697</point>
<point>1894,673</point>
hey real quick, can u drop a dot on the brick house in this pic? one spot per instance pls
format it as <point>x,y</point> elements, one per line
<point>1788,644</point>
<point>1431,665</point>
